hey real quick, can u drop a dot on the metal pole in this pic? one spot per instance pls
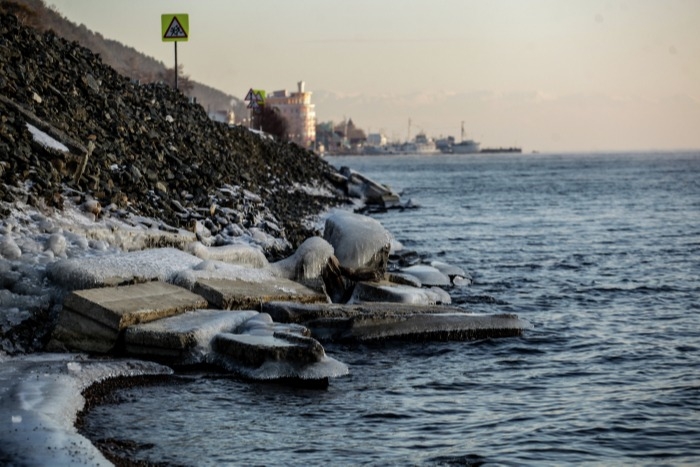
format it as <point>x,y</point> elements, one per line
<point>175,64</point>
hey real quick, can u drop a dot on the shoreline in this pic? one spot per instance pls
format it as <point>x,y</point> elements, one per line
<point>103,392</point>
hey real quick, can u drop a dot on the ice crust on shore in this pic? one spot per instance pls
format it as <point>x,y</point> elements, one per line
<point>40,396</point>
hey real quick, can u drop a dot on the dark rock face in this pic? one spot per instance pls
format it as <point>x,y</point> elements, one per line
<point>143,149</point>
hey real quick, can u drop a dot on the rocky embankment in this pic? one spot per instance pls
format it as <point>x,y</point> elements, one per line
<point>141,149</point>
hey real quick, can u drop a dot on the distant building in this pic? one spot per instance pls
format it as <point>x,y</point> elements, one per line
<point>353,137</point>
<point>376,139</point>
<point>297,109</point>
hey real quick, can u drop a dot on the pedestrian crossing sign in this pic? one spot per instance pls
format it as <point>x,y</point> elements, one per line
<point>175,27</point>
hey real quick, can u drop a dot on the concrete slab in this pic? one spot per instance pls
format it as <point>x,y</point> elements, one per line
<point>238,294</point>
<point>428,327</point>
<point>395,321</point>
<point>120,307</point>
<point>77,332</point>
<point>183,339</point>
<point>291,312</point>
<point>92,319</point>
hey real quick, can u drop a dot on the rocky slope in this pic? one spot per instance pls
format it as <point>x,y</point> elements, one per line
<point>141,150</point>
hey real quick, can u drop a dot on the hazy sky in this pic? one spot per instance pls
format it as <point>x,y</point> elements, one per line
<point>547,75</point>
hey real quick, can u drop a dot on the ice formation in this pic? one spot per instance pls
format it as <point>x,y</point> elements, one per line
<point>356,239</point>
<point>366,293</point>
<point>236,253</point>
<point>208,269</point>
<point>428,275</point>
<point>40,396</point>
<point>307,262</point>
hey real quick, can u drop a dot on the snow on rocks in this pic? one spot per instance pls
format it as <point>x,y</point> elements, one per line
<point>120,268</point>
<point>240,253</point>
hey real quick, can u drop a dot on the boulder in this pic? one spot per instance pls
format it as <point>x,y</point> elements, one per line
<point>281,356</point>
<point>456,274</point>
<point>253,350</point>
<point>307,263</point>
<point>373,193</point>
<point>359,242</point>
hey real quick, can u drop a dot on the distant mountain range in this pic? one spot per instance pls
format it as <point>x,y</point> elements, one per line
<point>126,60</point>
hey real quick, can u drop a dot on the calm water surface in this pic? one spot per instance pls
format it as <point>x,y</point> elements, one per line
<point>600,252</point>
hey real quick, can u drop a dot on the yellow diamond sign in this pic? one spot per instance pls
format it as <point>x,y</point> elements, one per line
<point>175,27</point>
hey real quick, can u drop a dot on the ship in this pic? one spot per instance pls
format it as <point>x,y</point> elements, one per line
<point>421,144</point>
<point>468,146</point>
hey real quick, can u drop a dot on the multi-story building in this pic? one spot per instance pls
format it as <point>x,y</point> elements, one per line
<point>297,109</point>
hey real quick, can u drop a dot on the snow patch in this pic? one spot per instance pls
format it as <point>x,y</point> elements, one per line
<point>46,140</point>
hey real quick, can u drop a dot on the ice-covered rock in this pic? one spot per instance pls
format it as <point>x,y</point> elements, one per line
<point>9,248</point>
<point>360,242</point>
<point>385,291</point>
<point>457,275</point>
<point>274,357</point>
<point>372,192</point>
<point>307,262</point>
<point>428,275</point>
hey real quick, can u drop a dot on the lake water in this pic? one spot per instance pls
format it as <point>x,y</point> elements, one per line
<point>600,252</point>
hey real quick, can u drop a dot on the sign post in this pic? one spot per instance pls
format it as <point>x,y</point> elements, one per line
<point>175,28</point>
<point>256,100</point>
